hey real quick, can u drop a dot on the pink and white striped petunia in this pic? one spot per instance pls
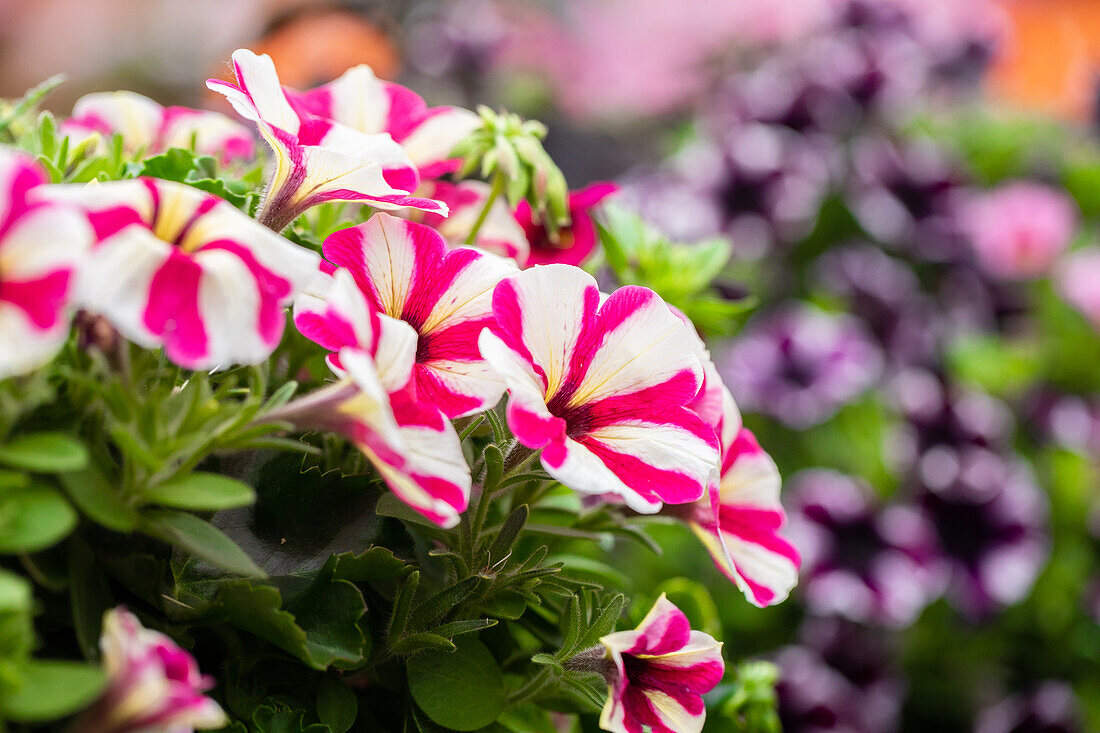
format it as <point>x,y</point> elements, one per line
<point>407,272</point>
<point>317,159</point>
<point>179,268</point>
<point>661,671</point>
<point>41,247</point>
<point>412,445</point>
<point>602,389</point>
<point>363,102</point>
<point>576,242</point>
<point>740,521</point>
<point>147,127</point>
<point>500,233</point>
<point>153,684</point>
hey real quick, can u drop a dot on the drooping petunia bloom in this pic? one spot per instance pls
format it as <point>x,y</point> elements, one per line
<point>153,684</point>
<point>365,103</point>
<point>147,127</point>
<point>317,159</point>
<point>602,389</point>
<point>740,521</point>
<point>406,271</point>
<point>411,444</point>
<point>659,674</point>
<point>179,268</point>
<point>576,242</point>
<point>41,246</point>
<point>499,233</point>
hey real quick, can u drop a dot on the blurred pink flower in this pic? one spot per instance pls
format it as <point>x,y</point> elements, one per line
<point>1019,228</point>
<point>1078,280</point>
<point>602,65</point>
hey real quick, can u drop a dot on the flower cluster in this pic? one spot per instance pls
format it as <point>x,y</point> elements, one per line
<point>437,307</point>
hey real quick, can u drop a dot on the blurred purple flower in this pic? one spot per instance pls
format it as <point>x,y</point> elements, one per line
<point>1049,708</point>
<point>762,185</point>
<point>1019,228</point>
<point>991,522</point>
<point>1068,421</point>
<point>886,294</point>
<point>801,364</point>
<point>860,561</point>
<point>909,197</point>
<point>840,677</point>
<point>942,416</point>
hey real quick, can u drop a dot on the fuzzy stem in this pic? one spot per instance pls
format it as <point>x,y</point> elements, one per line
<point>494,193</point>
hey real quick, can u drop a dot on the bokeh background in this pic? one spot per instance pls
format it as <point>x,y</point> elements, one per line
<point>911,193</point>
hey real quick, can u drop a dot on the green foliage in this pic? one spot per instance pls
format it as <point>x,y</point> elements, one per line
<point>682,274</point>
<point>462,689</point>
<point>198,171</point>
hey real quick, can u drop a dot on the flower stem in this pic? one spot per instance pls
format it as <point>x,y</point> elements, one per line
<point>530,688</point>
<point>494,193</point>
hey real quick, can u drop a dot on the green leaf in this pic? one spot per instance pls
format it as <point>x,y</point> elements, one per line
<point>439,605</point>
<point>329,613</point>
<point>507,604</point>
<point>419,642</point>
<point>457,628</point>
<point>462,690</point>
<point>95,495</point>
<point>34,518</point>
<point>267,719</point>
<point>509,531</point>
<point>377,563</point>
<point>89,596</point>
<point>16,629</point>
<point>402,605</point>
<point>45,453</point>
<point>52,690</point>
<point>337,706</point>
<point>201,491</point>
<point>200,538</point>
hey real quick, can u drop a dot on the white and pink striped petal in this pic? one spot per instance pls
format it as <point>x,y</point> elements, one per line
<point>42,246</point>
<point>412,445</point>
<point>499,233</point>
<point>363,102</point>
<point>317,159</point>
<point>740,522</point>
<point>179,268</point>
<point>147,127</point>
<point>661,671</point>
<point>406,271</point>
<point>602,389</point>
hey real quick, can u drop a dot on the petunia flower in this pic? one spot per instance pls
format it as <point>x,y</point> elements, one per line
<point>867,563</point>
<point>991,522</point>
<point>316,159</point>
<point>147,127</point>
<point>365,103</point>
<point>1049,706</point>
<point>153,684</point>
<point>739,522</point>
<point>499,233</point>
<point>406,272</point>
<point>576,242</point>
<point>179,268</point>
<point>41,246</point>
<point>411,444</point>
<point>801,364</point>
<point>1018,229</point>
<point>602,389</point>
<point>659,673</point>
